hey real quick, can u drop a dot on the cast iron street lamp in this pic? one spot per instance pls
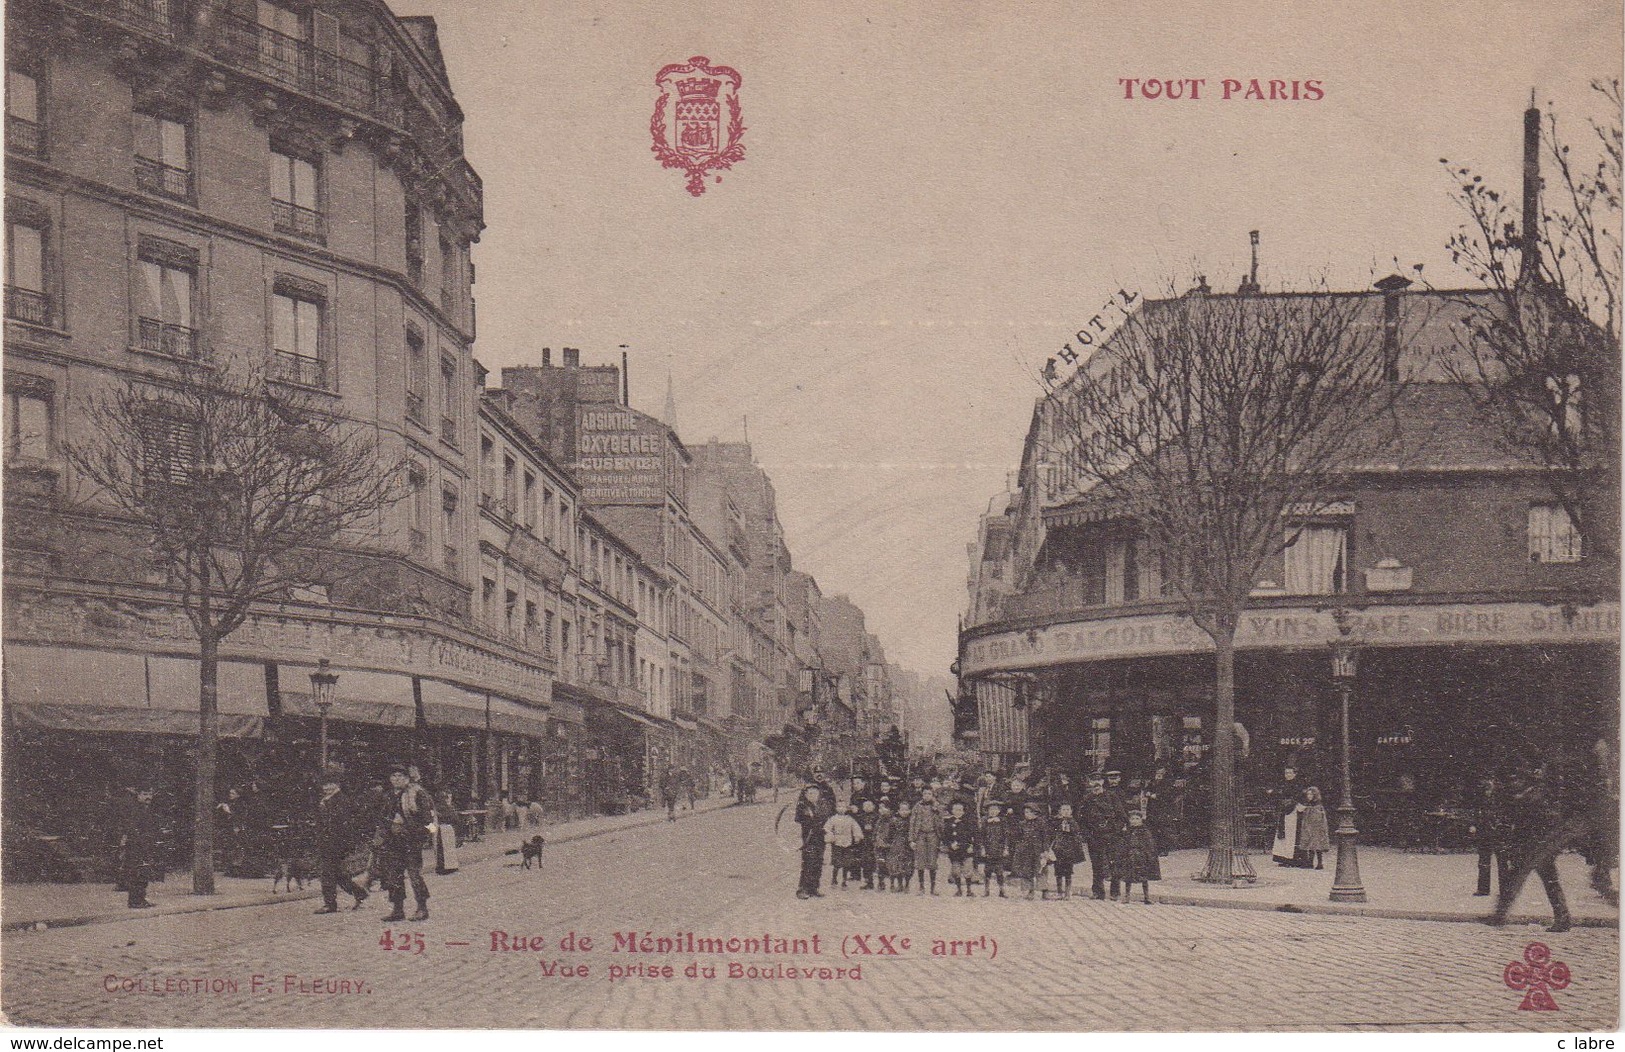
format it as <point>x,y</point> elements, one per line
<point>323,682</point>
<point>1347,886</point>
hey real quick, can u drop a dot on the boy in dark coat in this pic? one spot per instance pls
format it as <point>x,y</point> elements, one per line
<point>885,835</point>
<point>1028,845</point>
<point>865,848</point>
<point>1066,845</point>
<point>1140,862</point>
<point>1105,824</point>
<point>959,840</point>
<point>995,848</point>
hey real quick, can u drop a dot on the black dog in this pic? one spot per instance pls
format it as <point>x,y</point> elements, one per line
<point>530,852</point>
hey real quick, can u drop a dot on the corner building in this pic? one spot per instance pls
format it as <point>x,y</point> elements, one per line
<point>1483,630</point>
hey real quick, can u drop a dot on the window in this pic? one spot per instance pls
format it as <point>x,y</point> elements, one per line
<point>23,123</point>
<point>28,425</point>
<point>417,509</point>
<point>295,207</point>
<point>547,631</point>
<point>450,534</point>
<point>298,353</point>
<point>1566,410</point>
<point>163,159</point>
<point>1317,561</point>
<point>448,401</point>
<point>488,600</point>
<point>530,617</point>
<point>414,242</point>
<point>26,296</point>
<point>282,42</point>
<point>529,508</point>
<point>169,449</point>
<point>1100,743</point>
<point>1117,572</point>
<point>165,311</point>
<point>417,376</point>
<point>509,481</point>
<point>487,470</point>
<point>449,275</point>
<point>510,612</point>
<point>1553,537</point>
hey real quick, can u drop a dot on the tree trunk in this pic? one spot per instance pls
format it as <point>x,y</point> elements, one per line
<point>1226,862</point>
<point>207,747</point>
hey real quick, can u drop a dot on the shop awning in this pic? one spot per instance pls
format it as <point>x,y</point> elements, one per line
<point>70,689</point>
<point>383,699</point>
<point>512,717</point>
<point>448,705</point>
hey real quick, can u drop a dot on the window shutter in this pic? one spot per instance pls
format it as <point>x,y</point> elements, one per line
<point>325,30</point>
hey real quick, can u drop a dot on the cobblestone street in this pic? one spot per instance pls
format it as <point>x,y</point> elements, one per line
<point>1059,965</point>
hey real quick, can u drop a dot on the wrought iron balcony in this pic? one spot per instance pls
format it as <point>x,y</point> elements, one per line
<point>292,61</point>
<point>156,177</point>
<point>23,135</point>
<point>289,218</point>
<point>153,16</point>
<point>298,369</point>
<point>28,305</point>
<point>177,341</point>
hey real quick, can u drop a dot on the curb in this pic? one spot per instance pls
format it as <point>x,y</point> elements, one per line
<point>206,906</point>
<point>1381,913</point>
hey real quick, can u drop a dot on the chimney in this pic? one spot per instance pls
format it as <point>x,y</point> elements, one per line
<point>626,379</point>
<point>1391,287</point>
<point>572,357</point>
<point>547,357</point>
<point>1530,242</point>
<point>1201,288</point>
<point>1250,286</point>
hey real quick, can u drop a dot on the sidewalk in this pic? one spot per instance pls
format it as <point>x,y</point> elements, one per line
<point>34,907</point>
<point>1397,884</point>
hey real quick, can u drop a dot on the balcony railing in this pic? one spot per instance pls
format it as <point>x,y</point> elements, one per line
<point>294,62</point>
<point>28,305</point>
<point>156,177</point>
<point>153,16</point>
<point>292,368</point>
<point>23,135</point>
<point>289,218</point>
<point>177,341</point>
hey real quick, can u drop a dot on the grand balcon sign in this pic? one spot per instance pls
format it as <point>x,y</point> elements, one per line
<point>1150,635</point>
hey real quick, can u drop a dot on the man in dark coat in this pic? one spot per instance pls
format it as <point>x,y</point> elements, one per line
<point>335,836</point>
<point>1535,836</point>
<point>827,804</point>
<point>1105,824</point>
<point>810,817</point>
<point>1489,835</point>
<point>860,792</point>
<point>405,835</point>
<point>136,827</point>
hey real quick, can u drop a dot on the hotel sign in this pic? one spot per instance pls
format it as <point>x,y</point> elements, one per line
<point>1152,635</point>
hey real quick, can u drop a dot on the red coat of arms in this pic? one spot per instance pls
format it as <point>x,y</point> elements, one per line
<point>696,92</point>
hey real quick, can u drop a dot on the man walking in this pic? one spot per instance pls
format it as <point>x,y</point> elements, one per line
<point>1536,836</point>
<point>810,817</point>
<point>406,834</point>
<point>138,844</point>
<point>335,836</point>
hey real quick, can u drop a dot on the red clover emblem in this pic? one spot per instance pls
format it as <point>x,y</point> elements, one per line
<point>1538,975</point>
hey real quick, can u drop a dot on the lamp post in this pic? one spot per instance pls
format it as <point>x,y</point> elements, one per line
<point>323,682</point>
<point>1346,887</point>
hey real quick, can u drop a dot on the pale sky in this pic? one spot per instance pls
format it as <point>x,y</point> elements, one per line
<point>935,195</point>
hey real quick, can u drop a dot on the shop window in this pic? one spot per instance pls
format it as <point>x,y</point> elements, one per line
<point>1099,748</point>
<point>1553,537</point>
<point>1317,560</point>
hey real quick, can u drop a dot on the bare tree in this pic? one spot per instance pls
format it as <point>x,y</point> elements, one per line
<point>1217,425</point>
<point>239,488</point>
<point>1538,351</point>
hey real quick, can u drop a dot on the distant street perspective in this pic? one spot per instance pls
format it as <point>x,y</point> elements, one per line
<point>725,875</point>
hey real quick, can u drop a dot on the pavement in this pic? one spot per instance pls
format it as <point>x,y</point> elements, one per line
<point>693,925</point>
<point>41,906</point>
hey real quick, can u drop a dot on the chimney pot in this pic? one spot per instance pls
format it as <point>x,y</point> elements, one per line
<point>547,357</point>
<point>572,357</point>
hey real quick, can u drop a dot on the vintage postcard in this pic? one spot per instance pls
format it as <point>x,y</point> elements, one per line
<point>989,516</point>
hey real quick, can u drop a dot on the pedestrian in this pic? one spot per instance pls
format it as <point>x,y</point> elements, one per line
<point>1288,801</point>
<point>335,836</point>
<point>901,859</point>
<point>1028,843</point>
<point>810,817</point>
<point>1105,825</point>
<point>1160,809</point>
<point>136,826</point>
<point>925,838</point>
<point>885,836</point>
<point>867,818</point>
<point>860,792</point>
<point>1536,837</point>
<point>1489,836</point>
<point>1141,864</point>
<point>1066,846</point>
<point>843,833</point>
<point>959,838</point>
<point>668,793</point>
<point>1314,837</point>
<point>405,835</point>
<point>995,844</point>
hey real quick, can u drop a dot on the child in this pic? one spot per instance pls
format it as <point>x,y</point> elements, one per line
<point>1141,863</point>
<point>1314,839</point>
<point>1067,848</point>
<point>866,847</point>
<point>1027,845</point>
<point>925,838</point>
<point>842,832</point>
<point>885,835</point>
<point>995,846</point>
<point>902,855</point>
<point>959,838</point>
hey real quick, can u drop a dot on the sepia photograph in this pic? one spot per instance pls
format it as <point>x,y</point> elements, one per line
<point>725,516</point>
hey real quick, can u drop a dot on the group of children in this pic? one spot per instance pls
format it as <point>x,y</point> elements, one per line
<point>884,849</point>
